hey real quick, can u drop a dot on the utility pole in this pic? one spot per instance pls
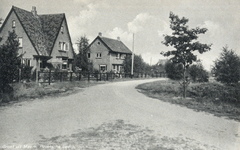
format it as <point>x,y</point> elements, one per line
<point>132,56</point>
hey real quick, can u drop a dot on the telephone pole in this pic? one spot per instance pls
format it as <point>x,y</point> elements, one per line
<point>132,56</point>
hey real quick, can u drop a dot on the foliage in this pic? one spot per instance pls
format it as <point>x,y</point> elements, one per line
<point>26,73</point>
<point>9,61</point>
<point>197,73</point>
<point>183,40</point>
<point>173,70</point>
<point>81,60</point>
<point>212,97</point>
<point>227,67</point>
<point>139,65</point>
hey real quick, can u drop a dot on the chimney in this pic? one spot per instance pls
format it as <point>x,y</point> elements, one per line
<point>118,38</point>
<point>100,34</point>
<point>34,11</point>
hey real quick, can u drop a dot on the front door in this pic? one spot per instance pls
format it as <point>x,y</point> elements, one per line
<point>103,68</point>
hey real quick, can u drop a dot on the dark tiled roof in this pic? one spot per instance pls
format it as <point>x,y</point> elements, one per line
<point>41,29</point>
<point>116,45</point>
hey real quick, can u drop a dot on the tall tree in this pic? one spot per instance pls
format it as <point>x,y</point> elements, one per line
<point>227,67</point>
<point>184,41</point>
<point>139,65</point>
<point>81,59</point>
<point>9,62</point>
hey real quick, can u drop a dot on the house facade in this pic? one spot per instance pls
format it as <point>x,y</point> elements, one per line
<point>107,54</point>
<point>43,39</point>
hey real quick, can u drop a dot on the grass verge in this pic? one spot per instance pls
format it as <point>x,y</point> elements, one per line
<point>213,98</point>
<point>33,90</point>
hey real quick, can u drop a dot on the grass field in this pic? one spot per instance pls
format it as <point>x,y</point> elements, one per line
<point>211,97</point>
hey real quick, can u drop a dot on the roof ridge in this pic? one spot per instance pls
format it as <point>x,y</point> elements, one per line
<point>52,14</point>
<point>109,38</point>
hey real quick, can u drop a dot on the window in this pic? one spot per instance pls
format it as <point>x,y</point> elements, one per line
<point>26,61</point>
<point>13,23</point>
<point>99,55</point>
<point>117,55</point>
<point>62,29</point>
<point>123,56</point>
<point>99,43</point>
<point>66,47</point>
<point>20,40</point>
<point>63,46</point>
<point>103,68</point>
<point>64,66</point>
<point>89,55</point>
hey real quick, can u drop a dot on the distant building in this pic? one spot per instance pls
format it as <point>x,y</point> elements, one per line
<point>42,38</point>
<point>107,54</point>
<point>162,62</point>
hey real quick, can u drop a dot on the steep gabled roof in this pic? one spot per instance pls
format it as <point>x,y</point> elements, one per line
<point>42,30</point>
<point>115,45</point>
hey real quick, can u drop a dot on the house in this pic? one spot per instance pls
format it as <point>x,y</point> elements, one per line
<point>107,54</point>
<point>42,38</point>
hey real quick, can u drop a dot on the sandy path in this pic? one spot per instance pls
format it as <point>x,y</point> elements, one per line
<point>26,122</point>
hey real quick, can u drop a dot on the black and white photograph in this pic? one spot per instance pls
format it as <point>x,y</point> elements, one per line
<point>119,75</point>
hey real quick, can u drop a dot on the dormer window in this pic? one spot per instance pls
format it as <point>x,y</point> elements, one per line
<point>13,23</point>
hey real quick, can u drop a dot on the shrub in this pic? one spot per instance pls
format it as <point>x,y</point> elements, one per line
<point>197,73</point>
<point>227,67</point>
<point>174,71</point>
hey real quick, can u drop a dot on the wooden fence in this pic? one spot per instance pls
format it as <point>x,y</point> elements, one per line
<point>50,77</point>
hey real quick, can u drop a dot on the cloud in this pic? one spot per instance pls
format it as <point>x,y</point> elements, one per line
<point>166,29</point>
<point>214,28</point>
<point>78,25</point>
<point>139,22</point>
<point>118,32</point>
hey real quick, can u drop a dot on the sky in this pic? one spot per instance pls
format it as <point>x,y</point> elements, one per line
<point>148,20</point>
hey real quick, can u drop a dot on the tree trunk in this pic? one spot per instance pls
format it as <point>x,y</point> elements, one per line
<point>184,82</point>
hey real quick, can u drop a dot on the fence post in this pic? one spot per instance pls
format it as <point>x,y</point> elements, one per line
<point>100,77</point>
<point>71,76</point>
<point>88,76</point>
<point>107,76</point>
<point>61,76</point>
<point>79,76</point>
<point>49,77</point>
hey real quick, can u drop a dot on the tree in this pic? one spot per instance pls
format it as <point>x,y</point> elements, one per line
<point>173,70</point>
<point>81,59</point>
<point>139,65</point>
<point>227,67</point>
<point>183,40</point>
<point>198,73</point>
<point>9,62</point>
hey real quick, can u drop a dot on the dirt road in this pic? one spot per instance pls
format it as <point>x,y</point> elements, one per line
<point>26,123</point>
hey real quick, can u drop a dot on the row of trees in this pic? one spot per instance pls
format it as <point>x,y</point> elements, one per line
<point>184,42</point>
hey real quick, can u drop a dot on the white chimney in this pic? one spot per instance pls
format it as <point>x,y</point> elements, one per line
<point>100,34</point>
<point>34,11</point>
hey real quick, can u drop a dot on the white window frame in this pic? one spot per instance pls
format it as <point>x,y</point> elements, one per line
<point>118,55</point>
<point>20,40</point>
<point>13,24</point>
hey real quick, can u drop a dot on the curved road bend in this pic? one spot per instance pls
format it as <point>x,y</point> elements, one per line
<point>24,122</point>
